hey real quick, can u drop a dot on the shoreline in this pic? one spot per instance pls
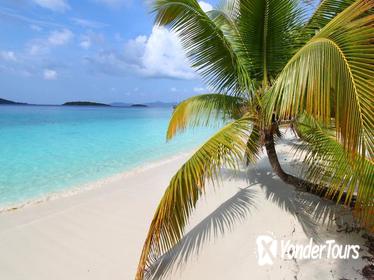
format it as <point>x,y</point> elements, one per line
<point>95,184</point>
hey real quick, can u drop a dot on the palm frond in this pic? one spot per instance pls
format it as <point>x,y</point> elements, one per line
<point>225,148</point>
<point>267,28</point>
<point>202,110</point>
<point>252,152</point>
<point>325,12</point>
<point>206,46</point>
<point>328,164</point>
<point>227,18</point>
<point>332,76</point>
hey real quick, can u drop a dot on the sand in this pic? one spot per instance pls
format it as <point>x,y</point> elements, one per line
<point>99,233</point>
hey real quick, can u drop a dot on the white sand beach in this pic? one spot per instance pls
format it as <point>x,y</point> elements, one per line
<point>98,234</point>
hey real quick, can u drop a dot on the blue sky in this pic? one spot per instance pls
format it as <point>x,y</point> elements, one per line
<point>52,51</point>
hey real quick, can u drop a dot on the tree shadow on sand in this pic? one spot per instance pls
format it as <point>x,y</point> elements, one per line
<point>223,219</point>
<point>309,210</point>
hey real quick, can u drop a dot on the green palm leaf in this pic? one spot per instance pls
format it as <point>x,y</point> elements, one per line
<point>252,152</point>
<point>267,28</point>
<point>225,148</point>
<point>209,51</point>
<point>328,164</point>
<point>332,75</point>
<point>202,110</point>
<point>226,18</point>
<point>325,12</point>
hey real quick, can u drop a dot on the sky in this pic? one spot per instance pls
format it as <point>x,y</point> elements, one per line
<point>53,51</point>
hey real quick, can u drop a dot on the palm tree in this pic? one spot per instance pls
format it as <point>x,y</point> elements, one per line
<point>273,62</point>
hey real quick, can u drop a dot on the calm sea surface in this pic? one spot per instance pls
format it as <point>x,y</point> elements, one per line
<point>47,149</point>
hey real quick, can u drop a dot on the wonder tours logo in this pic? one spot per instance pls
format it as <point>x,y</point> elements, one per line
<point>269,248</point>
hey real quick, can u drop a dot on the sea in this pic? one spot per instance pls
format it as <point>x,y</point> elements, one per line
<point>48,150</point>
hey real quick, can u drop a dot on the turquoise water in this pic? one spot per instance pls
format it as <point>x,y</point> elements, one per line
<point>46,149</point>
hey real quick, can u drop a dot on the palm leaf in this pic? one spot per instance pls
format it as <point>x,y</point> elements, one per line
<point>327,163</point>
<point>253,150</point>
<point>225,148</point>
<point>226,18</point>
<point>209,51</point>
<point>325,12</point>
<point>267,28</point>
<point>332,76</point>
<point>202,110</point>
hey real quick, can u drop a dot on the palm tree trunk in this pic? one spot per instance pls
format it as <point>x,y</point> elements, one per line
<point>298,183</point>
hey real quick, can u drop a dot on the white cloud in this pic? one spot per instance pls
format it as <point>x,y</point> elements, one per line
<point>118,37</point>
<point>115,3</point>
<point>23,64</point>
<point>54,5</point>
<point>11,16</point>
<point>199,89</point>
<point>164,55</point>
<point>134,50</point>
<point>49,74</point>
<point>173,89</point>
<point>56,38</point>
<point>205,6</point>
<point>148,2</point>
<point>85,23</point>
<point>60,37</point>
<point>90,39</point>
<point>36,27</point>
<point>8,55</point>
<point>85,43</point>
<point>159,55</point>
<point>37,47</point>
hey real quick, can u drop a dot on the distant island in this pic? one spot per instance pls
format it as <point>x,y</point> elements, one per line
<point>84,103</point>
<point>9,102</point>
<point>139,105</point>
<point>160,104</point>
<point>157,104</point>
<point>120,104</point>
